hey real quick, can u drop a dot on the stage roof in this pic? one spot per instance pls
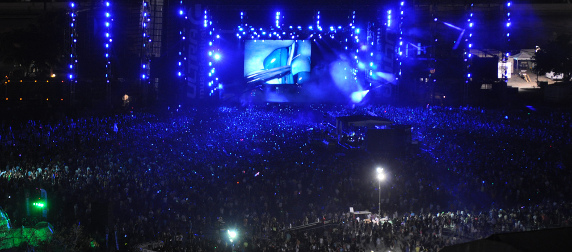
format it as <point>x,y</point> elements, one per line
<point>364,118</point>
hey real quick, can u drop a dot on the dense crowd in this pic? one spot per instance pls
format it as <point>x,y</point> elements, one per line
<point>185,175</point>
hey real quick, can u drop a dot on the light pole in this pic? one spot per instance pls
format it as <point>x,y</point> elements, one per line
<point>232,236</point>
<point>380,177</point>
<point>536,65</point>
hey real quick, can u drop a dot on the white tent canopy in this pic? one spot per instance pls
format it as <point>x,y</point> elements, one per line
<point>522,56</point>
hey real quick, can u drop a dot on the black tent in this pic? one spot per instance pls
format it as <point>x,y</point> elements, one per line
<point>557,239</point>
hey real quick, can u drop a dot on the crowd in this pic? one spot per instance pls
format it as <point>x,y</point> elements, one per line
<point>185,175</point>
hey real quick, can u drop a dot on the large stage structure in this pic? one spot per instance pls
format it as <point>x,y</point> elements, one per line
<point>193,51</point>
<point>184,51</point>
<point>402,50</point>
<point>247,54</point>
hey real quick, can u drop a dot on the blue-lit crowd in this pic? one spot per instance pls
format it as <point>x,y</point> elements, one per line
<point>184,176</point>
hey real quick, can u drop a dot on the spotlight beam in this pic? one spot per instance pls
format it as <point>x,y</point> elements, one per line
<point>422,48</point>
<point>454,27</point>
<point>458,42</point>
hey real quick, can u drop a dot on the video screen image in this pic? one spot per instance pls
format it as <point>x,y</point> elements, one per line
<point>277,61</point>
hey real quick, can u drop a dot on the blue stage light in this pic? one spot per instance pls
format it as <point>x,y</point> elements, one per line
<point>469,46</point>
<point>278,19</point>
<point>217,56</point>
<point>358,96</point>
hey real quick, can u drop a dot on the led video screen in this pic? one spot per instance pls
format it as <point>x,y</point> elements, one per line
<point>277,61</point>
